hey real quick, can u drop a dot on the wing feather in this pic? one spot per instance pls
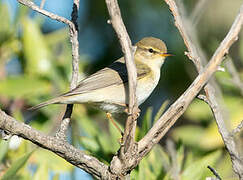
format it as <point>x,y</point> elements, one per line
<point>115,74</point>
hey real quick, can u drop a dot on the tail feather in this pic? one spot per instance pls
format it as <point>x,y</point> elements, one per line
<point>51,101</point>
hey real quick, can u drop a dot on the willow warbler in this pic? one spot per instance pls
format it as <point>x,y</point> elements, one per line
<point>108,88</point>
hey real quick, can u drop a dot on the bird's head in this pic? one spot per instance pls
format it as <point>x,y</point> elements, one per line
<point>151,50</point>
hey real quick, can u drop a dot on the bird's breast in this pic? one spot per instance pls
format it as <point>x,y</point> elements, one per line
<point>146,85</point>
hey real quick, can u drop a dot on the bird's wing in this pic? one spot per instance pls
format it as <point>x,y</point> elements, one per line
<point>115,74</point>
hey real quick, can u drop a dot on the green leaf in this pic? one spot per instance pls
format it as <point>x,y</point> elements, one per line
<point>23,86</point>
<point>115,135</point>
<point>189,159</point>
<point>104,143</point>
<point>189,134</point>
<point>224,168</point>
<point>161,110</point>
<point>198,111</point>
<point>92,130</point>
<point>134,174</point>
<point>157,160</point>
<point>198,168</point>
<point>144,170</point>
<point>146,123</point>
<point>52,161</point>
<point>89,144</point>
<point>153,164</point>
<point>5,29</point>
<point>180,154</point>
<point>35,49</point>
<point>16,166</point>
<point>3,149</point>
<point>89,127</point>
<point>57,37</point>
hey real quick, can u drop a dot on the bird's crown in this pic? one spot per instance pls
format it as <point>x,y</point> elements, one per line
<point>154,43</point>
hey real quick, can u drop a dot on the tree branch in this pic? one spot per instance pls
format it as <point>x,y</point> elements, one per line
<point>128,51</point>
<point>58,144</point>
<point>194,55</point>
<point>131,152</point>
<point>127,151</point>
<point>74,156</point>
<point>34,7</point>
<point>73,30</point>
<point>198,11</point>
<point>237,129</point>
<point>42,4</point>
<point>179,107</point>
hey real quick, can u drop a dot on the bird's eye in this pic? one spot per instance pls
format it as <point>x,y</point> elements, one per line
<point>151,50</point>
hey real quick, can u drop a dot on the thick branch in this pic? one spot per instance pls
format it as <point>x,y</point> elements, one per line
<point>179,107</point>
<point>128,50</point>
<point>59,147</point>
<point>194,55</point>
<point>125,161</point>
<point>58,143</point>
<point>192,50</point>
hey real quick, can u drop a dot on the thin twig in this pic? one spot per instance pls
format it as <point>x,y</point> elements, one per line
<point>73,29</point>
<point>42,4</point>
<point>214,172</point>
<point>179,107</point>
<point>237,129</point>
<point>75,45</point>
<point>5,135</point>
<point>59,145</point>
<point>194,55</point>
<point>34,7</point>
<point>175,169</point>
<point>198,11</point>
<point>204,98</point>
<point>98,169</point>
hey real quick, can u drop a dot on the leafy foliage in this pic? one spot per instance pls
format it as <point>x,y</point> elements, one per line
<point>36,65</point>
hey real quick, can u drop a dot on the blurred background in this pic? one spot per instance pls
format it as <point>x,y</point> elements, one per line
<point>35,65</point>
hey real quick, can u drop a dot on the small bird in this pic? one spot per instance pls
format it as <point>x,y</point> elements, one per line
<point>108,88</point>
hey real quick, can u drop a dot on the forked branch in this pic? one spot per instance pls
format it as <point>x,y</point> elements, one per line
<point>179,107</point>
<point>194,53</point>
<point>121,164</point>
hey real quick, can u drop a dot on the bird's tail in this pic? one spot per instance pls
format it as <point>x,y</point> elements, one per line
<point>51,101</point>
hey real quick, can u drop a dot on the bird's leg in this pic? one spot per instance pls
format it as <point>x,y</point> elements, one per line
<point>137,113</point>
<point>109,116</point>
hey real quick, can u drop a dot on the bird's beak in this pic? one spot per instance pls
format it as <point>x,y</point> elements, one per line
<point>166,54</point>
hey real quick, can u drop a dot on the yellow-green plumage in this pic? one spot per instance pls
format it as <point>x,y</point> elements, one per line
<point>108,88</point>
